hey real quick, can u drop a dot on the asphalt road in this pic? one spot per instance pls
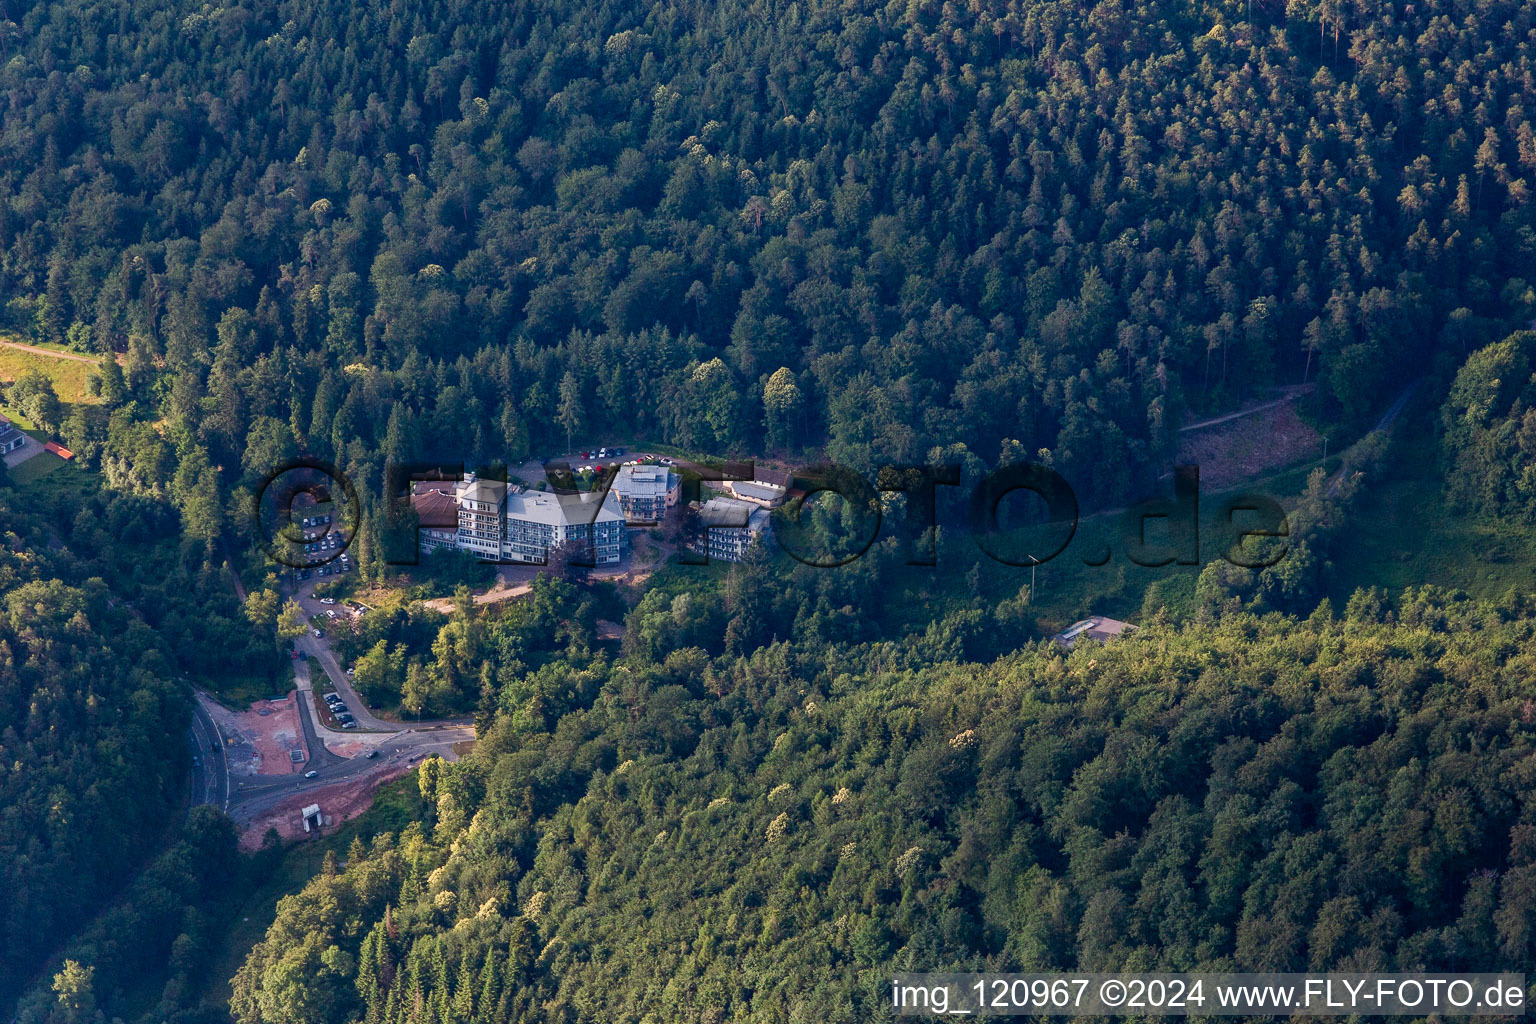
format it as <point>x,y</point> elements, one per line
<point>319,652</point>
<point>245,798</point>
<point>210,772</point>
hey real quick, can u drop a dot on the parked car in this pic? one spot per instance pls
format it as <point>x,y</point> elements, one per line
<point>311,774</point>
<point>327,600</point>
<point>319,633</point>
<point>617,452</point>
<point>351,673</point>
<point>349,725</point>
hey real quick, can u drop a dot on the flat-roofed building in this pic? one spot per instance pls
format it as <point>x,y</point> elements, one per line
<point>727,528</point>
<point>762,493</point>
<point>1096,628</point>
<point>538,520</point>
<point>646,492</point>
<point>499,522</point>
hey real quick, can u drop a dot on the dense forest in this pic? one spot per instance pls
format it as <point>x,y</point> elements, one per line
<point>1489,431</point>
<point>104,617</point>
<point>377,231</point>
<point>393,231</point>
<point>765,837</point>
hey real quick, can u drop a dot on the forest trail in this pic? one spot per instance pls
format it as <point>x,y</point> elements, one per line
<point>35,350</point>
<point>1382,425</point>
<point>1291,394</point>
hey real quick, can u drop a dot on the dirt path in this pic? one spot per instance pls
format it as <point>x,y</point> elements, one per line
<point>499,592</point>
<point>1291,395</point>
<point>1383,425</point>
<point>35,350</point>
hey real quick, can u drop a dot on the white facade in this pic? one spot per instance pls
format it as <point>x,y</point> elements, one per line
<point>729,527</point>
<point>646,492</point>
<point>10,437</point>
<point>504,523</point>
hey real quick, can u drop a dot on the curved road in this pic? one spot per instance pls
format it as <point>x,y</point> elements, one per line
<point>245,797</point>
<point>210,774</point>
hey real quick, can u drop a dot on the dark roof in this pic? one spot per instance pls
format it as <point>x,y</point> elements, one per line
<point>434,509</point>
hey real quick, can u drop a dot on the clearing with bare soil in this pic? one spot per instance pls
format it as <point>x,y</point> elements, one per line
<point>339,802</point>
<point>1242,447</point>
<point>260,741</point>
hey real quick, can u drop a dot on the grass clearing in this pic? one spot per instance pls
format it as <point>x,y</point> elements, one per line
<point>238,693</point>
<point>67,486</point>
<point>17,417</point>
<point>1402,534</point>
<point>71,378</point>
<point>35,468</point>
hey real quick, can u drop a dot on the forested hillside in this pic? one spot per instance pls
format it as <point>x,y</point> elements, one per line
<point>103,615</point>
<point>1489,430</point>
<point>765,838</point>
<point>378,230</point>
<point>393,230</point>
<point>87,778</point>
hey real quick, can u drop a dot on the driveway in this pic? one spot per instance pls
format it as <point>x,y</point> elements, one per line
<point>30,450</point>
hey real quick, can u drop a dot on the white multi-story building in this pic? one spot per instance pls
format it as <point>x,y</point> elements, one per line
<point>646,492</point>
<point>727,527</point>
<point>537,521</point>
<point>482,512</point>
<point>505,523</point>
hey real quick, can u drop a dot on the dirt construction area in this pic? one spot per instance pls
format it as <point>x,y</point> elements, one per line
<point>265,740</point>
<point>338,801</point>
<point>1244,447</point>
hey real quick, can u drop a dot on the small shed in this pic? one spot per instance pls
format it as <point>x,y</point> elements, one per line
<point>312,817</point>
<point>1097,628</point>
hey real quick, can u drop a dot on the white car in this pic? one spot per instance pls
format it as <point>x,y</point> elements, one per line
<point>327,600</point>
